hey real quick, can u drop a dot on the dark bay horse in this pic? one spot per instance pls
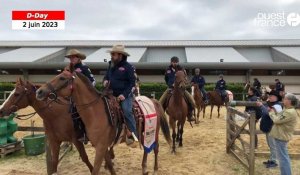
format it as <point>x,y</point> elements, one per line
<point>178,108</point>
<point>92,110</point>
<point>200,105</point>
<point>56,118</point>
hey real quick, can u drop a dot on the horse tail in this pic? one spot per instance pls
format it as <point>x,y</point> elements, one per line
<point>163,121</point>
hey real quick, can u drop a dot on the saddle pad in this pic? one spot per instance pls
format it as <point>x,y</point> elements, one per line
<point>150,116</point>
<point>230,95</point>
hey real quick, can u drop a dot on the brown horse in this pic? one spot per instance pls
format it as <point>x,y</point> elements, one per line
<point>215,99</point>
<point>200,105</point>
<point>57,119</point>
<point>178,108</point>
<point>92,110</point>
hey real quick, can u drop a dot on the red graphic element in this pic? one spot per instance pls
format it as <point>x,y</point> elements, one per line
<point>38,15</point>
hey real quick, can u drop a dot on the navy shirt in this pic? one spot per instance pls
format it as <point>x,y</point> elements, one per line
<point>221,85</point>
<point>84,69</point>
<point>121,78</point>
<point>256,84</point>
<point>170,75</point>
<point>198,79</point>
<point>279,87</point>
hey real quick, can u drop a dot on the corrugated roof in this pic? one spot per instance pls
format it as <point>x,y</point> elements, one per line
<point>213,54</point>
<point>164,54</point>
<point>256,54</point>
<point>28,54</point>
<point>293,52</point>
<point>101,54</point>
<point>152,43</point>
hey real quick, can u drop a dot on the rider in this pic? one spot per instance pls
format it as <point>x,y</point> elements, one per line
<point>76,58</point>
<point>221,87</point>
<point>200,81</point>
<point>170,79</point>
<point>120,78</point>
<point>279,87</point>
<point>257,86</point>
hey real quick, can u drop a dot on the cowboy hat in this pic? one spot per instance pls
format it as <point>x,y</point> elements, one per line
<point>275,93</point>
<point>75,52</point>
<point>118,49</point>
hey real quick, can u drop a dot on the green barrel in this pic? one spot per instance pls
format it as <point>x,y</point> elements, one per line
<point>12,127</point>
<point>3,131</point>
<point>34,144</point>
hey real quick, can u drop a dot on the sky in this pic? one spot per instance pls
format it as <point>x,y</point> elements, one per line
<point>154,19</point>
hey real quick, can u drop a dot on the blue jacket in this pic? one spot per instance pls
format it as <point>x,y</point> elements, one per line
<point>199,80</point>
<point>255,109</point>
<point>121,78</point>
<point>279,87</point>
<point>84,69</point>
<point>170,75</point>
<point>221,85</point>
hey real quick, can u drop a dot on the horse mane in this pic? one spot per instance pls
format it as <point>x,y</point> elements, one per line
<point>87,82</point>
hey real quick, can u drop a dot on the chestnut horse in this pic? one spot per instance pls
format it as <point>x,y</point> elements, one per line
<point>177,108</point>
<point>57,120</point>
<point>92,110</point>
<point>200,105</point>
<point>215,99</point>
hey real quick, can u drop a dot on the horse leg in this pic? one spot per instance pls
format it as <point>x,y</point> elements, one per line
<point>177,135</point>
<point>211,109</point>
<point>204,111</point>
<point>144,163</point>
<point>218,111</point>
<point>181,133</point>
<point>79,146</point>
<point>100,153</point>
<point>172,123</point>
<point>109,163</point>
<point>156,150</point>
<point>198,113</point>
<point>54,146</point>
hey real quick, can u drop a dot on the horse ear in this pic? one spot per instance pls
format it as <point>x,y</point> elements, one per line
<point>19,81</point>
<point>69,68</point>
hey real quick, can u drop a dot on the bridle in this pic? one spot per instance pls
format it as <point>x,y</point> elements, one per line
<point>53,93</point>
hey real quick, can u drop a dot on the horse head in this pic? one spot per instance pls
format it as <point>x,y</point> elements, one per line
<point>60,85</point>
<point>18,98</point>
<point>181,80</point>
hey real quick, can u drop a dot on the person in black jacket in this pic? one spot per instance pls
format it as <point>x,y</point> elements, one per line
<point>76,58</point>
<point>252,97</point>
<point>121,80</point>
<point>266,124</point>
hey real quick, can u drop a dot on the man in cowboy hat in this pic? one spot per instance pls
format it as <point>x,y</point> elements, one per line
<point>221,87</point>
<point>279,87</point>
<point>120,78</point>
<point>76,58</point>
<point>170,79</point>
<point>266,125</point>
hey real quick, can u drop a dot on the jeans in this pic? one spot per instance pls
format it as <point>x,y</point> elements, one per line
<point>272,146</point>
<point>129,118</point>
<point>204,93</point>
<point>283,157</point>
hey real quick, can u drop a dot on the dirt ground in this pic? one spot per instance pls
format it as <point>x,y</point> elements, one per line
<point>203,152</point>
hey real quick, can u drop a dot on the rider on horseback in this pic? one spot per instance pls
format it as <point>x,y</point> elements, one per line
<point>200,81</point>
<point>170,79</point>
<point>76,58</point>
<point>257,86</point>
<point>221,87</point>
<point>121,80</point>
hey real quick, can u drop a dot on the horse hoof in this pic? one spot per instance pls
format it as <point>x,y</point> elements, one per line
<point>180,145</point>
<point>155,172</point>
<point>146,173</point>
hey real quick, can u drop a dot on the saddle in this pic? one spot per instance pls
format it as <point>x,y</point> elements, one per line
<point>116,116</point>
